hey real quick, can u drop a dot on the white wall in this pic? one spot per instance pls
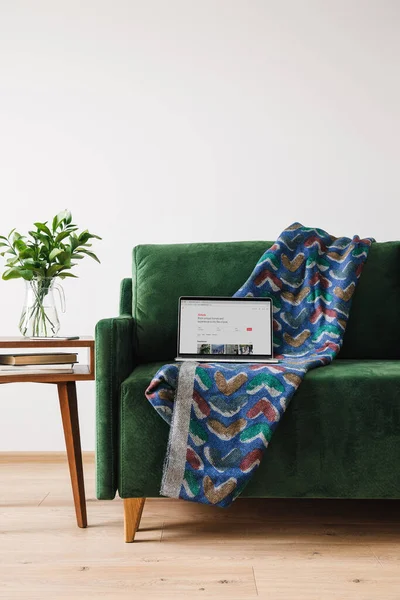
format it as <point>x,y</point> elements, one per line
<point>180,120</point>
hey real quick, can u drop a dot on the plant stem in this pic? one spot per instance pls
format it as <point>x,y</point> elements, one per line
<point>35,316</point>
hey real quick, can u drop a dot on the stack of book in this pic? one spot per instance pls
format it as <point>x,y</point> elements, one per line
<point>39,362</point>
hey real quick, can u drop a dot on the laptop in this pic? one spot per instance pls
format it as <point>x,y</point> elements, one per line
<point>224,329</point>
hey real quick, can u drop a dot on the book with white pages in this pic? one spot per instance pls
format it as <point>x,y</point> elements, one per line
<point>41,359</point>
<point>69,368</point>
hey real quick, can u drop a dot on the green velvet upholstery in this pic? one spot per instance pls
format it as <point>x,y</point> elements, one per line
<point>162,273</point>
<point>339,436</point>
<point>373,330</point>
<point>114,361</point>
<point>125,298</point>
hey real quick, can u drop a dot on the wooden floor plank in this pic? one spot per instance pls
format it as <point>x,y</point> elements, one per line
<point>41,457</point>
<point>166,580</point>
<point>328,582</point>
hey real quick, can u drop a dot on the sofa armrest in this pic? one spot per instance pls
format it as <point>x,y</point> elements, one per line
<point>114,362</point>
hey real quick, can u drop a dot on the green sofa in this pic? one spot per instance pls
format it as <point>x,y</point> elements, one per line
<point>340,436</point>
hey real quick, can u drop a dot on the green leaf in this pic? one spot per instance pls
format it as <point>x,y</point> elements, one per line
<point>28,252</point>
<point>65,258</point>
<point>51,271</point>
<point>74,242</point>
<point>13,273</point>
<point>64,215</point>
<point>64,274</point>
<point>55,222</point>
<point>3,238</point>
<point>55,252</point>
<point>82,247</point>
<point>3,244</point>
<point>16,236</point>
<point>84,236</point>
<point>44,239</point>
<point>61,236</point>
<point>26,274</point>
<point>91,254</point>
<point>12,261</point>
<point>43,227</point>
<point>11,232</point>
<point>19,245</point>
<point>31,267</point>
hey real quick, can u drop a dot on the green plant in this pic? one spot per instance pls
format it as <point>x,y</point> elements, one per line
<point>48,252</point>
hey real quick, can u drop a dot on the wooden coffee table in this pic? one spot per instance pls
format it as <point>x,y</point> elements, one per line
<point>66,384</point>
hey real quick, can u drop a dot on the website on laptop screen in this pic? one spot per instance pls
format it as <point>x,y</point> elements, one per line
<point>239,327</point>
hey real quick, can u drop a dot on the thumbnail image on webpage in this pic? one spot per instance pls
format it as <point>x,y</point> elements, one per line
<point>235,349</point>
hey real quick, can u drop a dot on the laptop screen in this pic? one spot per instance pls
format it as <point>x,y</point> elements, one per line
<point>225,326</point>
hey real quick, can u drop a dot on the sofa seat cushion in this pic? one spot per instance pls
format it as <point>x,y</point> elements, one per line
<point>340,436</point>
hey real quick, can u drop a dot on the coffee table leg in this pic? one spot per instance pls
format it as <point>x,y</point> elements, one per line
<point>69,414</point>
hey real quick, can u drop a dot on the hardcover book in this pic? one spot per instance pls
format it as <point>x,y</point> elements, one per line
<point>53,358</point>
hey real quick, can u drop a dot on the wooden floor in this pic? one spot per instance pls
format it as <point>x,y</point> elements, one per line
<point>300,550</point>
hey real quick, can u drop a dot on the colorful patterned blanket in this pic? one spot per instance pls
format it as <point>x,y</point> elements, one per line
<point>222,416</point>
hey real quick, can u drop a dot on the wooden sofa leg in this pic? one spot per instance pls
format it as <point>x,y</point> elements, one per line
<point>133,508</point>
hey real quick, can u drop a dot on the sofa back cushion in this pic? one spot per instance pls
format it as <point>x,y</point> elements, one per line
<point>164,272</point>
<point>373,330</point>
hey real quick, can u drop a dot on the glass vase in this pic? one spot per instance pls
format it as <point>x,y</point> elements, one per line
<point>39,317</point>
